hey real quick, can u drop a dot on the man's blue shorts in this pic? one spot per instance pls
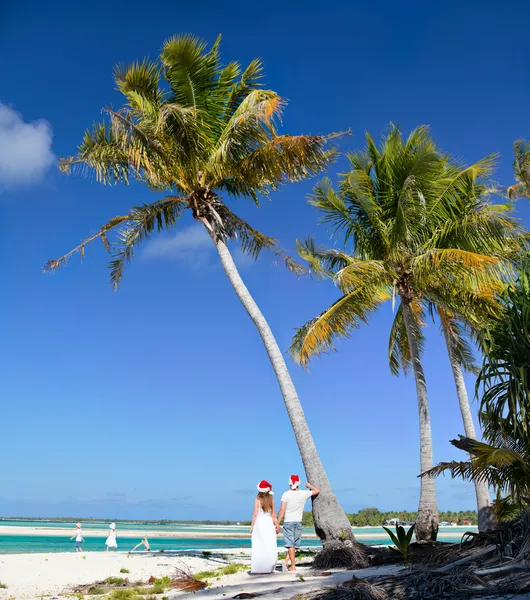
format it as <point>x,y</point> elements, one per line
<point>292,534</point>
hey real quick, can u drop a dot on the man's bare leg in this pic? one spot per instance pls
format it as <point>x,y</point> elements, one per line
<point>292,555</point>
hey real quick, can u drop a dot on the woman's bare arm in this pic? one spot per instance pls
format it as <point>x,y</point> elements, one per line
<point>275,518</point>
<point>255,514</point>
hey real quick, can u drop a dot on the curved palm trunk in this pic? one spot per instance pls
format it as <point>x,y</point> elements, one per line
<point>331,522</point>
<point>485,516</point>
<point>427,520</point>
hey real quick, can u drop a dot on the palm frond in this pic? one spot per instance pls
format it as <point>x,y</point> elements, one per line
<point>142,221</point>
<point>399,357</point>
<point>190,69</point>
<point>323,262</point>
<point>54,264</point>
<point>338,321</point>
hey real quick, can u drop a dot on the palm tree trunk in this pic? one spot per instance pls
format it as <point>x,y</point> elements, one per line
<point>427,519</point>
<point>485,516</point>
<point>331,522</point>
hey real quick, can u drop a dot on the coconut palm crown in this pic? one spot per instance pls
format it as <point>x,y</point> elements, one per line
<point>196,130</point>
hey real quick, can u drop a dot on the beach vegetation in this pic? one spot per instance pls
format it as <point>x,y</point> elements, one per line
<point>3,586</point>
<point>230,569</point>
<point>124,570</point>
<point>127,594</point>
<point>162,581</point>
<point>402,540</point>
<point>199,132</point>
<point>115,580</point>
<point>415,228</point>
<point>233,568</point>
<point>96,590</point>
<point>203,575</point>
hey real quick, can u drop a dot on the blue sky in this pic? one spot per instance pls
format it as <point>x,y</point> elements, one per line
<point>158,400</point>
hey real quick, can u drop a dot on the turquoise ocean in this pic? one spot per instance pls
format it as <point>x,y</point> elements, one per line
<point>52,543</point>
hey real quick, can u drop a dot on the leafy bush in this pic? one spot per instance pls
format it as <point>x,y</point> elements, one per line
<point>124,571</point>
<point>96,591</point>
<point>233,568</point>
<point>402,540</point>
<point>127,594</point>
<point>202,575</point>
<point>114,580</point>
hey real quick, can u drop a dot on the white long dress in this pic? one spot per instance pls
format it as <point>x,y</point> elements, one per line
<point>111,540</point>
<point>264,546</point>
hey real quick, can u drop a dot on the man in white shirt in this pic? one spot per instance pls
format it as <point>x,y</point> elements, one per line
<point>292,508</point>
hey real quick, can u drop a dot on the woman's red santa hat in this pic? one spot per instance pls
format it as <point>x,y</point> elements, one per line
<point>294,481</point>
<point>265,487</point>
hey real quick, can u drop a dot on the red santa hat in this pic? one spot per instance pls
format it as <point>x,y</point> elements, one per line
<point>294,481</point>
<point>265,487</point>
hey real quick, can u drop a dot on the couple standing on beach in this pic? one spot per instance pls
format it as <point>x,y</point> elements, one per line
<point>266,525</point>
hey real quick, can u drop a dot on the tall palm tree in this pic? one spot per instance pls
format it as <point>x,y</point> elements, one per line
<point>400,207</point>
<point>461,358</point>
<point>200,131</point>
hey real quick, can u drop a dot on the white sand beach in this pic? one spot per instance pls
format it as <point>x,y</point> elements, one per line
<point>32,576</point>
<point>56,576</point>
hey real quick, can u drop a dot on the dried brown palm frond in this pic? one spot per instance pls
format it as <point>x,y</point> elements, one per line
<point>184,581</point>
<point>355,589</point>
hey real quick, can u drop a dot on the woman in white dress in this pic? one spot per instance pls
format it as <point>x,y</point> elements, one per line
<point>264,530</point>
<point>111,540</point>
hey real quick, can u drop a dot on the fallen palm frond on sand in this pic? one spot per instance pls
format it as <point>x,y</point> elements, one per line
<point>184,581</point>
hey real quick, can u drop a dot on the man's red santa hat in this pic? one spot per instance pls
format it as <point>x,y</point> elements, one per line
<point>265,487</point>
<point>294,481</point>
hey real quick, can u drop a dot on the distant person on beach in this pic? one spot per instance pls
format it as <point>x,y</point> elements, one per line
<point>292,508</point>
<point>110,542</point>
<point>264,529</point>
<point>78,538</point>
<point>144,543</point>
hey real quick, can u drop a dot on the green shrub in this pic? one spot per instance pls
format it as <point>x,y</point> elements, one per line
<point>162,581</point>
<point>3,586</point>
<point>402,540</point>
<point>124,571</point>
<point>202,575</point>
<point>129,594</point>
<point>95,591</point>
<point>233,568</point>
<point>114,580</point>
<point>158,589</point>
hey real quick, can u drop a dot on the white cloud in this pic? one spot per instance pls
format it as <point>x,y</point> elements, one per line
<point>25,148</point>
<point>193,247</point>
